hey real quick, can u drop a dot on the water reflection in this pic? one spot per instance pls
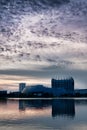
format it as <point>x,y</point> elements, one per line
<point>38,114</point>
<point>60,107</point>
<point>54,107</point>
<point>3,102</point>
<point>34,104</point>
<point>63,107</point>
<point>81,101</point>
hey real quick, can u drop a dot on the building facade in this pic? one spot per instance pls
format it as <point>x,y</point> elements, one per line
<point>67,84</point>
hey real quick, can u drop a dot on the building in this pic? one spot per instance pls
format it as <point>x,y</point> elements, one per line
<point>67,84</point>
<point>43,91</point>
<point>59,88</point>
<point>81,92</point>
<point>37,90</point>
<point>3,93</point>
<point>22,86</point>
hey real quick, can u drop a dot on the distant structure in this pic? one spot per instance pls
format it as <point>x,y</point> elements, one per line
<point>37,90</point>
<point>3,93</point>
<point>22,86</point>
<point>58,87</point>
<point>67,84</point>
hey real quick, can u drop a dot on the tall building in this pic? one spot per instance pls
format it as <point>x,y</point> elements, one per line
<point>22,86</point>
<point>67,84</point>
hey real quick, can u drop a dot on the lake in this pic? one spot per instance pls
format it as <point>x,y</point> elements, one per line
<point>43,114</point>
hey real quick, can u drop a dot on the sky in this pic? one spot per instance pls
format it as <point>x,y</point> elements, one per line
<point>42,39</point>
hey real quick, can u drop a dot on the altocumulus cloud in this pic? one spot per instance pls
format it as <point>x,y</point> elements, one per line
<point>41,39</point>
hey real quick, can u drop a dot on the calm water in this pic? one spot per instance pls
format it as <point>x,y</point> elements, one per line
<point>42,114</point>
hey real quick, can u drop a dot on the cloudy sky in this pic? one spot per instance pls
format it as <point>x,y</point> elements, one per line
<point>41,39</point>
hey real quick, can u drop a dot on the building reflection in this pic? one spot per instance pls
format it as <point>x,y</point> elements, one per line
<point>60,107</point>
<point>63,107</point>
<point>34,103</point>
<point>3,102</point>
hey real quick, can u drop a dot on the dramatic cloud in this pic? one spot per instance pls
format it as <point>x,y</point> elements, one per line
<point>43,33</point>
